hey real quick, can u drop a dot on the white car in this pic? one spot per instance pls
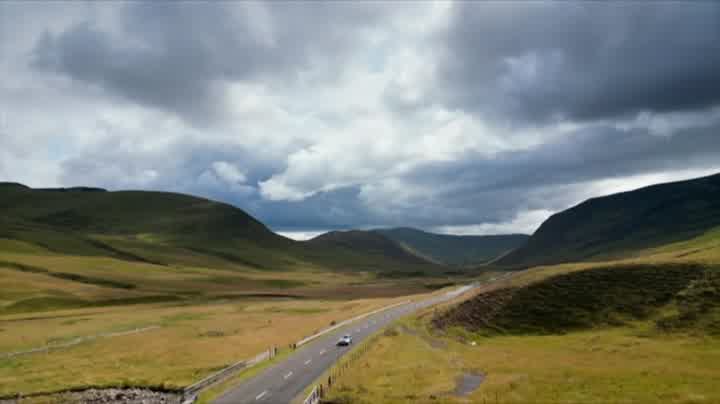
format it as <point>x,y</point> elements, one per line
<point>345,340</point>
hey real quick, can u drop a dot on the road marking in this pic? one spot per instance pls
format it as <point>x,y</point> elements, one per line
<point>322,352</point>
<point>307,362</point>
<point>261,395</point>
<point>287,375</point>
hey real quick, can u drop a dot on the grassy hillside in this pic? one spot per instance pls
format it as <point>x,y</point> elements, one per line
<point>168,229</point>
<point>676,296</point>
<point>455,250</point>
<point>618,225</point>
<point>365,248</point>
<point>673,287</point>
<point>92,211</point>
<point>154,227</point>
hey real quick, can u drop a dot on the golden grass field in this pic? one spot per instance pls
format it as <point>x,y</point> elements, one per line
<point>192,341</point>
<point>633,363</point>
<point>206,318</point>
<point>210,316</point>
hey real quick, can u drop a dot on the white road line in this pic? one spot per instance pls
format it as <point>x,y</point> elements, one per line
<point>307,362</point>
<point>322,352</point>
<point>261,395</point>
<point>287,375</point>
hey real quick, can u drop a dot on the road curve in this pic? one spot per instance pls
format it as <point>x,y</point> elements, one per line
<point>280,383</point>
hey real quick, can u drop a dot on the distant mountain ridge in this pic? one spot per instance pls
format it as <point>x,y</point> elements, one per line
<point>367,242</point>
<point>617,225</point>
<point>463,250</point>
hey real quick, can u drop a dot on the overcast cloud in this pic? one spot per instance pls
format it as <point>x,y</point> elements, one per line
<point>463,117</point>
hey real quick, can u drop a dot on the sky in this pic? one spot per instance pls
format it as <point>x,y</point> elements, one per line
<point>455,117</point>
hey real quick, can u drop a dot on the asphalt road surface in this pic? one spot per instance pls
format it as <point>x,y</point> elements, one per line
<point>280,383</point>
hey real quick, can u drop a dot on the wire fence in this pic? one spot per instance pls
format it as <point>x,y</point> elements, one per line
<point>337,372</point>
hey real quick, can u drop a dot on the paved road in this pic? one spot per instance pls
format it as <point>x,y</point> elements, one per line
<point>280,383</point>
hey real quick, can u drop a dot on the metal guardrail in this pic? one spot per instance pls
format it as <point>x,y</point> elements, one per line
<point>338,370</point>
<point>190,392</point>
<point>314,396</point>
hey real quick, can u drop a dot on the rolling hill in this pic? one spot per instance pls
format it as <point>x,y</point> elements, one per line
<point>155,227</point>
<point>96,211</point>
<point>170,229</point>
<point>359,246</point>
<point>620,225</point>
<point>455,250</point>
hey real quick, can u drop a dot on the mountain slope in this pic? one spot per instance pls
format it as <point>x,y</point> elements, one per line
<point>156,227</point>
<point>617,225</point>
<point>92,210</point>
<point>361,247</point>
<point>455,250</point>
<point>168,229</point>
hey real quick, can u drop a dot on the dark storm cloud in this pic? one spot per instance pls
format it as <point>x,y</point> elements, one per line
<point>468,190</point>
<point>539,61</point>
<point>493,66</point>
<point>338,209</point>
<point>495,189</point>
<point>180,56</point>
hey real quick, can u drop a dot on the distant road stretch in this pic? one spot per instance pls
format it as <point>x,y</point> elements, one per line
<point>281,382</point>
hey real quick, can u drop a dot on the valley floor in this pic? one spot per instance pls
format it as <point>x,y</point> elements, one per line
<point>108,322</point>
<point>174,346</point>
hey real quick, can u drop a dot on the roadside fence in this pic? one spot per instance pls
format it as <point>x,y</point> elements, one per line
<point>190,393</point>
<point>314,396</point>
<point>338,371</point>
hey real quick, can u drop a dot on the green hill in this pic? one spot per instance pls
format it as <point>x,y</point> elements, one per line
<point>157,227</point>
<point>364,247</point>
<point>167,229</point>
<point>455,250</point>
<point>96,211</point>
<point>619,225</point>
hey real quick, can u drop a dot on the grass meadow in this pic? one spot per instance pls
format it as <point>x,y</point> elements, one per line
<point>618,365</point>
<point>668,354</point>
<point>202,318</point>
